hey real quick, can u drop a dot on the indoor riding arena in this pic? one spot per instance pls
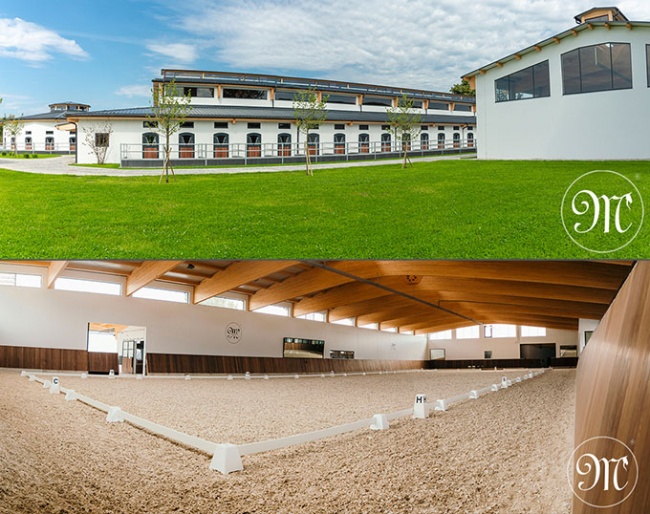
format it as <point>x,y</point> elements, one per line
<point>323,386</point>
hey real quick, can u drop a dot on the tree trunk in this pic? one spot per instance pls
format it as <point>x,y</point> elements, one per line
<point>308,158</point>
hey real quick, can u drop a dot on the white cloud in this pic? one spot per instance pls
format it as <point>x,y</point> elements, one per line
<point>415,43</point>
<point>134,90</point>
<point>30,42</point>
<point>181,52</point>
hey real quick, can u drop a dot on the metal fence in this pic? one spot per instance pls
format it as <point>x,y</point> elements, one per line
<point>286,152</point>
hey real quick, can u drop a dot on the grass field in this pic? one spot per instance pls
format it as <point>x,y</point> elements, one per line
<point>444,209</point>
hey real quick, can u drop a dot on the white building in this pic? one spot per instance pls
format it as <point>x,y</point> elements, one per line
<point>582,94</point>
<point>47,132</point>
<point>236,118</point>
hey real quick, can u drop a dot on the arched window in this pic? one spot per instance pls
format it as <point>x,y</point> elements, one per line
<point>424,141</point>
<point>364,143</point>
<point>339,143</point>
<point>385,143</point>
<point>150,145</point>
<point>456,140</point>
<point>186,145</point>
<point>73,143</point>
<point>220,142</point>
<point>254,145</point>
<point>284,145</point>
<point>313,141</point>
<point>28,143</point>
<point>49,143</point>
<point>406,142</point>
<point>441,140</point>
<point>470,139</point>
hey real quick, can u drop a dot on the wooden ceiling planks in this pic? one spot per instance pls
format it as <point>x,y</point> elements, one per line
<point>417,296</point>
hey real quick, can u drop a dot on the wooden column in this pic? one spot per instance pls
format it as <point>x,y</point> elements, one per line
<point>613,399</point>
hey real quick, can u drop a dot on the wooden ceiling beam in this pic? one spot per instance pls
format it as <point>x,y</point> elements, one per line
<point>54,270</point>
<point>146,273</point>
<point>237,274</point>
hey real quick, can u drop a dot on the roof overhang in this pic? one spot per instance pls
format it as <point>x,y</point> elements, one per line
<point>554,40</point>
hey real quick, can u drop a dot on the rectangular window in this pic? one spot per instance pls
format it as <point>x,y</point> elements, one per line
<point>314,316</point>
<point>440,336</point>
<point>165,295</point>
<point>102,140</point>
<point>150,124</point>
<point>283,94</point>
<point>603,67</point>
<point>88,286</point>
<point>276,310</point>
<point>385,127</point>
<point>342,99</point>
<point>424,127</point>
<point>439,106</point>
<point>254,125</point>
<point>383,101</point>
<point>225,303</point>
<point>20,280</point>
<point>187,124</point>
<point>462,108</point>
<point>531,82</point>
<point>348,322</point>
<point>503,330</point>
<point>647,62</point>
<point>441,127</point>
<point>533,331</point>
<point>364,127</point>
<point>339,126</point>
<point>472,332</point>
<point>221,124</point>
<point>248,94</point>
<point>284,126</point>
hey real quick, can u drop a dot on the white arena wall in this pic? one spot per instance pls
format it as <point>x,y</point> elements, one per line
<point>48,318</point>
<point>501,347</point>
<point>598,125</point>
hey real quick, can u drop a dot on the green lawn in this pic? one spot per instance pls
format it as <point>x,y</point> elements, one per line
<point>445,209</point>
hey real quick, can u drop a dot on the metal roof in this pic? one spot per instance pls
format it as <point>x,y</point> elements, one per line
<point>50,115</point>
<point>276,81</point>
<point>268,113</point>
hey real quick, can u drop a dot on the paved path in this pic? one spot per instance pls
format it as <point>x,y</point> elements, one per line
<point>63,166</point>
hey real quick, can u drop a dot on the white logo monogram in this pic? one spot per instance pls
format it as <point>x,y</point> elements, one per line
<point>591,474</point>
<point>602,211</point>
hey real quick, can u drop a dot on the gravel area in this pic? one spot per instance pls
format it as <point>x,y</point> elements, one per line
<point>505,453</point>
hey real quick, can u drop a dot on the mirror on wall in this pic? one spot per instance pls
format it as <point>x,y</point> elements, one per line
<point>127,341</point>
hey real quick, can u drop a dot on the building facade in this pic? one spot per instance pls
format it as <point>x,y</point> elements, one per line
<point>582,94</point>
<point>244,118</point>
<point>47,132</point>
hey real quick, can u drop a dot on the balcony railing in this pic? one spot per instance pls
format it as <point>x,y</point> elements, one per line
<point>55,148</point>
<point>194,154</point>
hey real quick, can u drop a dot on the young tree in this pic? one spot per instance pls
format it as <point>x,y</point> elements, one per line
<point>405,124</point>
<point>98,139</point>
<point>463,89</point>
<point>170,109</point>
<point>12,126</point>
<point>309,112</point>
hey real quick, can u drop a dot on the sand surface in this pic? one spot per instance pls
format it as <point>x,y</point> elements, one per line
<point>505,453</point>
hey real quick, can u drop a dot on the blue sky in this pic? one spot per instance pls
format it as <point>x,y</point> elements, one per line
<point>105,52</point>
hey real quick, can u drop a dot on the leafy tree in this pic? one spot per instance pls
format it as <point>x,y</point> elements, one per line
<point>170,109</point>
<point>463,89</point>
<point>309,112</point>
<point>404,124</point>
<point>13,126</point>
<point>98,139</point>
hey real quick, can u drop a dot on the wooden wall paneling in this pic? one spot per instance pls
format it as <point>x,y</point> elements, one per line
<point>99,362</point>
<point>205,364</point>
<point>613,396</point>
